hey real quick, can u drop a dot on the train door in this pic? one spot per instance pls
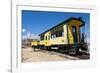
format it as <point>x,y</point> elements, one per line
<point>47,39</point>
<point>74,32</point>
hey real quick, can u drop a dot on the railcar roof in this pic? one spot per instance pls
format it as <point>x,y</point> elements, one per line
<point>65,21</point>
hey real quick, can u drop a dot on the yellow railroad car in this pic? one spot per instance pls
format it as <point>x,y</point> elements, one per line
<point>35,43</point>
<point>65,36</point>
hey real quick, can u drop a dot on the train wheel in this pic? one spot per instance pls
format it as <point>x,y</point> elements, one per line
<point>48,48</point>
<point>72,51</point>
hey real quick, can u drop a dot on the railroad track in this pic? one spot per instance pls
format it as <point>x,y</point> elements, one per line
<point>79,56</point>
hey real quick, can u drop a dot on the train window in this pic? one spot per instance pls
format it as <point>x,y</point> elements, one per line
<point>42,37</point>
<point>62,33</point>
<point>59,33</point>
<point>45,37</point>
<point>48,37</point>
<point>51,37</point>
<point>54,36</point>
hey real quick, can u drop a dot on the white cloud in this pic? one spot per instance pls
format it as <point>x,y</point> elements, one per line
<point>33,36</point>
<point>23,30</point>
<point>88,40</point>
<point>28,34</point>
<point>24,37</point>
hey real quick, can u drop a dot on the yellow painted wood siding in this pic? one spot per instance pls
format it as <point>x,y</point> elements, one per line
<point>42,42</point>
<point>58,40</point>
<point>65,34</point>
<point>70,35</point>
<point>77,24</point>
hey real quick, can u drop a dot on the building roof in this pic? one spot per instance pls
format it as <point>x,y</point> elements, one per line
<point>72,18</point>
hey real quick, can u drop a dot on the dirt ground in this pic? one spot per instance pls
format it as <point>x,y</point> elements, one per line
<point>29,55</point>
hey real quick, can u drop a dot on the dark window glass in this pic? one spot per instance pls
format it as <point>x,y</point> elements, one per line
<point>48,37</point>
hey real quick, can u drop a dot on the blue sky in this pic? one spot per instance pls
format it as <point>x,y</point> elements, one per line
<point>36,22</point>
